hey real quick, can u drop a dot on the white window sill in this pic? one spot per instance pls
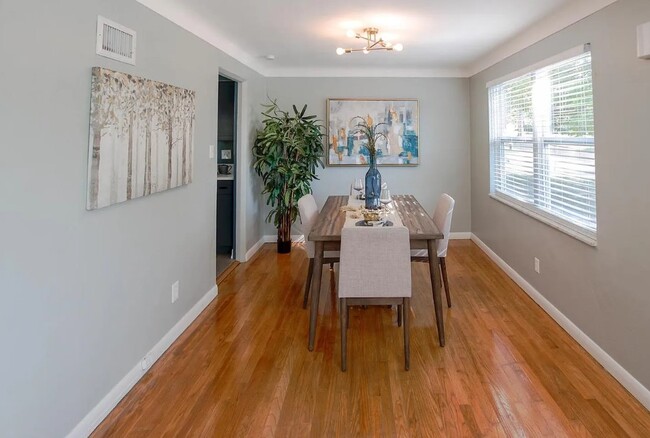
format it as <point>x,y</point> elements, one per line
<point>574,231</point>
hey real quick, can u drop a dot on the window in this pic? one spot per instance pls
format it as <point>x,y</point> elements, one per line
<point>542,150</point>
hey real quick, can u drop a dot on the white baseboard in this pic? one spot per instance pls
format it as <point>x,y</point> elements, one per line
<point>251,252</point>
<point>270,238</point>
<point>297,238</point>
<point>108,403</point>
<point>626,379</point>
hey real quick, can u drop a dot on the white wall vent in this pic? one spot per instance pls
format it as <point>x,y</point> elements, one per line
<point>115,41</point>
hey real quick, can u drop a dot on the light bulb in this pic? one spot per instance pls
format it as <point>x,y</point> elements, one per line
<point>399,47</point>
<point>340,51</point>
<point>350,33</point>
<point>366,51</point>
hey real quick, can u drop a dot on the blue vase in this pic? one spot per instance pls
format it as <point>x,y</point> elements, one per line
<point>373,185</point>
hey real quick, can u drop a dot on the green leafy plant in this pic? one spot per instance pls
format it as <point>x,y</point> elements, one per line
<point>287,151</point>
<point>370,131</point>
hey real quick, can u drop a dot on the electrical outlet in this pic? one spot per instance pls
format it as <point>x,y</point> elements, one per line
<point>175,288</point>
<point>212,153</point>
<point>536,265</point>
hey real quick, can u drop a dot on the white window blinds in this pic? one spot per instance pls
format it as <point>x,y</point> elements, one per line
<point>542,143</point>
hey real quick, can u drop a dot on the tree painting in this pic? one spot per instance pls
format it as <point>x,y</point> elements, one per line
<point>140,138</point>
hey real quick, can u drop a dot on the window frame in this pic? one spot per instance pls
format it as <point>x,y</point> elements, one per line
<point>532,210</point>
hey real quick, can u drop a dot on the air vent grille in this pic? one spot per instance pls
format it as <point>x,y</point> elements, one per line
<point>115,41</point>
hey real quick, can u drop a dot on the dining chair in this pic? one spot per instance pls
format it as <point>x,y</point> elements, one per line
<point>375,269</point>
<point>442,218</point>
<point>308,213</point>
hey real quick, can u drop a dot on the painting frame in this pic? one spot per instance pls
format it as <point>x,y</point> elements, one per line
<point>141,137</point>
<point>404,111</point>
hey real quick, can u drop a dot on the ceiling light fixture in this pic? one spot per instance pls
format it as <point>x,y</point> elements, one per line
<point>373,42</point>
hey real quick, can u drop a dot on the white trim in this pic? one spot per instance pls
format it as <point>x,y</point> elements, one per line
<point>368,72</point>
<point>242,157</point>
<point>197,25</point>
<point>567,54</point>
<point>272,238</point>
<point>626,379</point>
<point>298,238</point>
<point>575,231</point>
<point>573,12</point>
<point>110,400</point>
<point>251,252</point>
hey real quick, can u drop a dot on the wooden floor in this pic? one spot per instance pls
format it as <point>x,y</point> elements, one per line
<point>243,368</point>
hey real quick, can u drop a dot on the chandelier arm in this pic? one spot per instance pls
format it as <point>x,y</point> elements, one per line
<point>372,43</point>
<point>370,50</point>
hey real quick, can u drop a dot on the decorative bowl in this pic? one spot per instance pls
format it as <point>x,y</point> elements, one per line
<point>371,216</point>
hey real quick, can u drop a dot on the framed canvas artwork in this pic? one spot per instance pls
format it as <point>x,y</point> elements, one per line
<point>397,119</point>
<point>141,137</point>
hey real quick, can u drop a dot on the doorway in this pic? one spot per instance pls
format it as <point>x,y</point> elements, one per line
<point>226,172</point>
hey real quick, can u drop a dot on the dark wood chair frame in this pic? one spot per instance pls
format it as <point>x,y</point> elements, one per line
<point>310,274</point>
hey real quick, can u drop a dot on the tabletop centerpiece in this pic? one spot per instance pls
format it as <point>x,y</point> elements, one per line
<point>366,127</point>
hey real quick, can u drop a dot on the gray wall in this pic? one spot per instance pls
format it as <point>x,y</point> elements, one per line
<point>603,290</point>
<point>444,136</point>
<point>86,294</point>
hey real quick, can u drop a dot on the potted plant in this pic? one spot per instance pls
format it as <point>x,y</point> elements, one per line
<point>287,151</point>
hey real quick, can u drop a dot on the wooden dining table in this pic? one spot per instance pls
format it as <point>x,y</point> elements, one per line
<point>423,233</point>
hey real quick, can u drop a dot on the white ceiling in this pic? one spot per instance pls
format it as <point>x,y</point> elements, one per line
<point>440,37</point>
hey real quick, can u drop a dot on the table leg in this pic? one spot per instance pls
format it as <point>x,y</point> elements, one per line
<point>315,292</point>
<point>434,269</point>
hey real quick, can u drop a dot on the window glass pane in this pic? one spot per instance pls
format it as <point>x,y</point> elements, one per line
<point>542,147</point>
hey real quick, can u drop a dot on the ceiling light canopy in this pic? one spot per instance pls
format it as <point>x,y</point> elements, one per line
<point>373,42</point>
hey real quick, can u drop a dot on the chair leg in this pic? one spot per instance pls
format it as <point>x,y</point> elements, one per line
<point>331,266</point>
<point>344,321</point>
<point>310,271</point>
<point>407,346</point>
<point>443,267</point>
<point>347,317</point>
<point>399,315</point>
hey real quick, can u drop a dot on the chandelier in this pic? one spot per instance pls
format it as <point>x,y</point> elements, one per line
<point>370,35</point>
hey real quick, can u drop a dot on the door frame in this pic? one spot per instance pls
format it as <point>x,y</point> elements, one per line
<point>242,157</point>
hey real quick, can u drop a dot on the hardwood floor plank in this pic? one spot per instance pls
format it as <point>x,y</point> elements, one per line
<point>243,369</point>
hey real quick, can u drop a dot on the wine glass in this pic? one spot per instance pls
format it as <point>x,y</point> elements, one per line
<point>358,186</point>
<point>384,197</point>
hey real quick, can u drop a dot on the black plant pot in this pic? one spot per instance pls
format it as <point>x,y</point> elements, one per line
<point>284,246</point>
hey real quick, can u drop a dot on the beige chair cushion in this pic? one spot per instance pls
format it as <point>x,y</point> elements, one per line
<point>442,218</point>
<point>308,214</point>
<point>375,263</point>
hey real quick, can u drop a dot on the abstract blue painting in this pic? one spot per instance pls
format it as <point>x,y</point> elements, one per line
<point>399,122</point>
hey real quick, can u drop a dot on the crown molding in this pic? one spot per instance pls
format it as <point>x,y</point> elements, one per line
<point>196,25</point>
<point>562,18</point>
<point>571,13</point>
<point>177,14</point>
<point>366,72</point>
